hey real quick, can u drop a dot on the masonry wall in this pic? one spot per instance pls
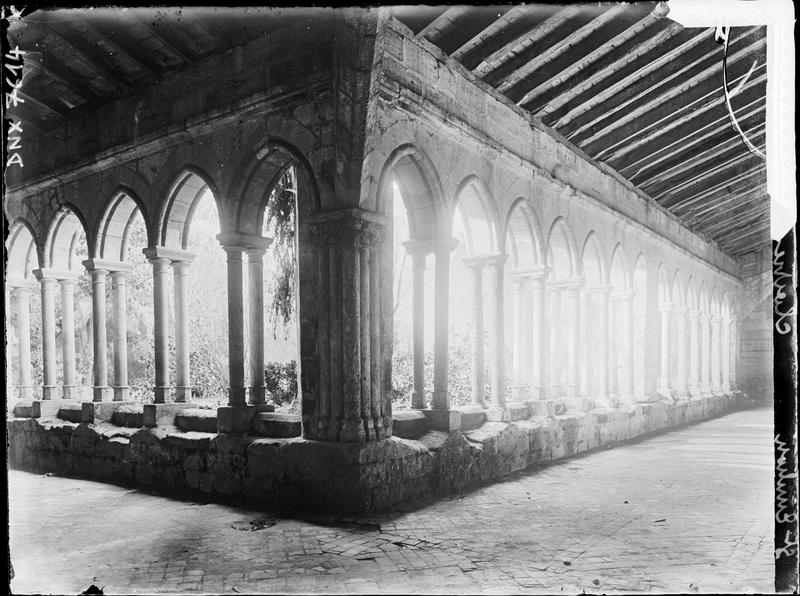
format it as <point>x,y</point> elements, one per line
<point>756,354</point>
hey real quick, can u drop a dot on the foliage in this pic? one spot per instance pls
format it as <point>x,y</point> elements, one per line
<point>280,379</point>
<point>279,220</point>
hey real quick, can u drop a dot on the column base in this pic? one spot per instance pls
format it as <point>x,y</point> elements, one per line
<point>418,400</point>
<point>258,395</point>
<point>101,393</point>
<point>235,419</point>
<point>120,392</point>
<point>183,393</point>
<point>497,413</point>
<point>25,392</point>
<point>694,393</point>
<point>538,392</point>
<point>518,410</point>
<point>236,397</point>
<point>519,394</point>
<point>160,394</point>
<point>70,392</point>
<point>581,404</point>
<point>49,392</point>
<point>439,400</point>
<point>446,420</point>
<point>472,417</point>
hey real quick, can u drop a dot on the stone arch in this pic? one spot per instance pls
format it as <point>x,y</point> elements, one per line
<point>690,299</point>
<point>176,213</point>
<point>702,298</point>
<point>63,236</point>
<point>561,249</point>
<point>524,233</point>
<point>259,174</point>
<point>619,272</point>
<point>593,265</point>
<point>23,251</point>
<point>475,205</point>
<point>678,293</point>
<point>412,172</point>
<point>713,307</point>
<point>112,235</point>
<point>664,295</point>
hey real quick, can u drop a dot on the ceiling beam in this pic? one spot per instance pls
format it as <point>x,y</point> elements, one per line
<point>462,54</point>
<point>693,105</point>
<point>605,122</point>
<point>525,93</point>
<point>167,43</point>
<point>43,105</point>
<point>526,38</point>
<point>61,75</point>
<point>693,213</point>
<point>755,198</point>
<point>441,22</point>
<point>679,138</point>
<point>736,161</point>
<point>529,64</point>
<point>714,182</point>
<point>687,201</point>
<point>93,32</point>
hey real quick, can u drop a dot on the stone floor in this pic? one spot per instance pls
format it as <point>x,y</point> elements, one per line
<point>688,511</point>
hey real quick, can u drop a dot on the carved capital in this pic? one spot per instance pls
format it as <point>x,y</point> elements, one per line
<point>350,231</point>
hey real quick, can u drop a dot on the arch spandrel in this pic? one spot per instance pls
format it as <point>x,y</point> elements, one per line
<point>619,271</point>
<point>523,231</point>
<point>475,207</point>
<point>593,266</point>
<point>561,252</point>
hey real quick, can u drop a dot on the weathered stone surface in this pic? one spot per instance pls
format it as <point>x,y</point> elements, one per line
<point>268,424</point>
<point>409,424</point>
<point>197,420</point>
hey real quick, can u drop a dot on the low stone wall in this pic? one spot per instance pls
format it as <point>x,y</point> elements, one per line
<point>297,474</point>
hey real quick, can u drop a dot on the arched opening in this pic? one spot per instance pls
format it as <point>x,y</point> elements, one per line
<point>122,238</point>
<point>621,315</point>
<point>525,279</point>
<point>23,315</point>
<point>564,310</point>
<point>67,311</point>
<point>594,321</point>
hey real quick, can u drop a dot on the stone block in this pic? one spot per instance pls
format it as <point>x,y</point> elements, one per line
<point>518,411</point>
<point>270,424</point>
<point>409,424</point>
<point>104,411</point>
<point>197,420</point>
<point>163,414</point>
<point>46,408</point>
<point>129,416</point>
<point>498,415</point>
<point>472,417</point>
<point>445,420</point>
<point>77,412</point>
<point>23,409</point>
<point>543,407</point>
<point>235,419</point>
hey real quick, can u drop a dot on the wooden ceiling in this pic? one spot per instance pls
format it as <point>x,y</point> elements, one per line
<point>633,90</point>
<point>627,85</point>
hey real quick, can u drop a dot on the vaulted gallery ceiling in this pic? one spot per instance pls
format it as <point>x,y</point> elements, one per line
<point>623,82</point>
<point>633,90</point>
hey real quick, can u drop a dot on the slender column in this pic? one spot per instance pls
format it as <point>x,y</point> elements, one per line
<point>236,391</point>
<point>734,354</point>
<point>694,352</point>
<point>478,363</point>
<point>418,258</point>
<point>180,284</point>
<point>680,373</point>
<point>572,295</point>
<point>99,336</point>
<point>498,388</point>
<point>160,323</point>
<point>22,298</point>
<point>518,337</point>
<point>68,336</point>
<point>602,296</point>
<point>726,355</point>
<point>119,281</point>
<point>255,264</point>
<point>553,331</point>
<point>539,351</point>
<point>716,380</point>
<point>627,346</point>
<point>664,382</point>
<point>705,354</point>
<point>440,399</point>
<point>614,346</point>
<point>48,334</point>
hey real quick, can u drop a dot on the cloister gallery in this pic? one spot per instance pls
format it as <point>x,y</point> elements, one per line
<point>554,262</point>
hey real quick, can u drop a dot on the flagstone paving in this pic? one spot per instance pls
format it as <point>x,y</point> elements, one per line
<point>688,511</point>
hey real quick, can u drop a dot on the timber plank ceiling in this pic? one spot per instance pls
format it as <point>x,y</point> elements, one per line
<point>623,82</point>
<point>633,90</point>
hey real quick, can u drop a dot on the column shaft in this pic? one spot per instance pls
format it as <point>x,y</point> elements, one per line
<point>183,389</point>
<point>554,327</point>
<point>539,351</point>
<point>119,291</point>
<point>48,337</point>
<point>518,337</point>
<point>705,354</point>
<point>255,264</point>
<point>440,399</point>
<point>161,327</point>
<point>68,336</point>
<point>99,337</point>
<point>627,350</point>
<point>694,352</point>
<point>664,373</point>
<point>605,344</point>
<point>572,295</point>
<point>478,381</point>
<point>498,387</point>
<point>418,288</point>
<point>726,355</point>
<point>22,297</point>
<point>236,391</point>
<point>716,380</point>
<point>680,373</point>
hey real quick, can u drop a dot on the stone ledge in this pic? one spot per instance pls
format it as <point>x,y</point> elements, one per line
<point>270,424</point>
<point>197,420</point>
<point>297,474</point>
<point>409,424</point>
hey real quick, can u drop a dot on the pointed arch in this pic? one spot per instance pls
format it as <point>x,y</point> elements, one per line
<point>593,260</point>
<point>619,272</point>
<point>678,293</point>
<point>702,297</point>
<point>664,294</point>
<point>67,229</point>
<point>523,234</point>
<point>475,207</point>
<point>22,250</point>
<point>186,191</point>
<point>561,252</point>
<point>112,235</point>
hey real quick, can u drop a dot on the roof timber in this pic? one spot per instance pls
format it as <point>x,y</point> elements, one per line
<point>535,62</point>
<point>524,40</point>
<point>96,35</point>
<point>688,200</point>
<point>719,179</point>
<point>480,41</point>
<point>675,141</point>
<point>435,27</point>
<point>534,97</point>
<point>675,78</point>
<point>667,115</point>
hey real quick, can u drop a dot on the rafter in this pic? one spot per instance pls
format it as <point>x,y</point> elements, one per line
<point>93,32</point>
<point>756,192</point>
<point>533,63</point>
<point>169,45</point>
<point>687,201</point>
<point>719,179</point>
<point>525,39</point>
<point>530,94</point>
<point>441,21</point>
<point>659,100</point>
<point>738,162</point>
<point>47,107</point>
<point>514,15</point>
<point>62,76</point>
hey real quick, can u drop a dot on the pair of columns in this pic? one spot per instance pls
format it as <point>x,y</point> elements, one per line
<point>21,295</point>
<point>419,250</point>
<point>564,373</point>
<point>528,333</point>
<point>162,259</point>
<point>48,279</point>
<point>236,245</point>
<point>622,354</point>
